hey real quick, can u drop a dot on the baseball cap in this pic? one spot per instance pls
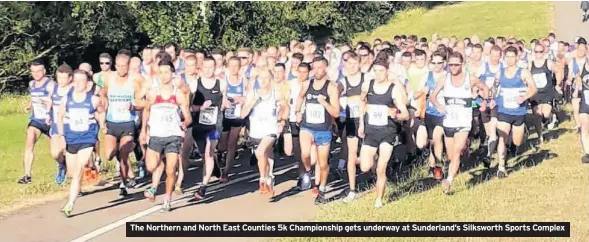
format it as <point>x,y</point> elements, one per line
<point>581,40</point>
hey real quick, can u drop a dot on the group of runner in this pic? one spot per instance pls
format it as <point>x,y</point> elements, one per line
<point>435,97</point>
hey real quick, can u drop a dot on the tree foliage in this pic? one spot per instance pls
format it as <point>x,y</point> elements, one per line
<point>73,32</point>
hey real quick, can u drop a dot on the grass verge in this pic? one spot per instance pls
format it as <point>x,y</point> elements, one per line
<point>524,20</point>
<point>13,195</point>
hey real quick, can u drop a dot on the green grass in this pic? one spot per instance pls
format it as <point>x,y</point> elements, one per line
<point>537,190</point>
<point>13,195</point>
<point>524,20</point>
<point>12,104</point>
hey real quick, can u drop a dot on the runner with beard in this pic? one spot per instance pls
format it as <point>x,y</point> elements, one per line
<point>321,100</point>
<point>457,107</point>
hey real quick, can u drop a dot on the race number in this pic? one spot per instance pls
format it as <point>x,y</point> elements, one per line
<point>315,113</point>
<point>121,111</point>
<point>540,80</point>
<point>39,110</point>
<point>79,120</point>
<point>208,116</point>
<point>378,115</point>
<point>511,97</point>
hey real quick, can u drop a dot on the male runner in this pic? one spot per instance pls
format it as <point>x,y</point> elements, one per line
<point>582,86</point>
<point>105,61</point>
<point>416,74</point>
<point>208,101</point>
<point>489,115</point>
<point>40,89</point>
<point>575,64</point>
<point>291,135</point>
<point>321,99</point>
<point>162,117</point>
<point>457,107</point>
<point>121,91</point>
<point>64,80</point>
<point>541,70</point>
<point>353,89</point>
<point>232,121</point>
<point>267,110</point>
<point>77,128</point>
<point>172,50</point>
<point>382,104</point>
<point>514,87</point>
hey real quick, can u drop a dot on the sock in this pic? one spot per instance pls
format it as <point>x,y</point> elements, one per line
<point>491,148</point>
<point>450,178</point>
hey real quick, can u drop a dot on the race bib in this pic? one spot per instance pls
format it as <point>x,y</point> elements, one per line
<point>510,98</point>
<point>78,119</point>
<point>354,106</point>
<point>39,111</point>
<point>167,119</point>
<point>208,116</point>
<point>233,112</point>
<point>121,110</point>
<point>457,116</point>
<point>378,115</point>
<point>315,113</point>
<point>586,96</point>
<point>489,81</point>
<point>343,102</point>
<point>540,80</point>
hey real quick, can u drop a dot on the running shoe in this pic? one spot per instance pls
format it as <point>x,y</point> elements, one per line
<point>131,183</point>
<point>486,162</point>
<point>25,180</point>
<point>438,173</point>
<point>167,206</point>
<point>253,159</point>
<point>446,186</point>
<point>224,178</point>
<point>141,165</point>
<point>501,173</point>
<point>200,193</point>
<point>61,173</point>
<point>306,182</point>
<point>263,187</point>
<point>270,186</point>
<point>585,159</point>
<point>320,199</point>
<point>123,192</point>
<point>315,192</point>
<point>378,203</point>
<point>67,210</point>
<point>150,194</point>
<point>350,197</point>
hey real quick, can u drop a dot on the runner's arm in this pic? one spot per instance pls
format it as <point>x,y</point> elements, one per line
<point>422,88</point>
<point>434,97</point>
<point>578,85</point>
<point>250,101</point>
<point>283,107</point>
<point>332,106</point>
<point>476,82</point>
<point>61,115</point>
<point>287,107</point>
<point>400,100</point>
<point>300,100</point>
<point>139,101</point>
<point>97,105</point>
<point>184,107</point>
<point>495,88</point>
<point>146,112</point>
<point>527,79</point>
<point>363,93</point>
<point>224,102</point>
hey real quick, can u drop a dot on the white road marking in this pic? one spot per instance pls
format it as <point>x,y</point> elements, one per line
<point>155,208</point>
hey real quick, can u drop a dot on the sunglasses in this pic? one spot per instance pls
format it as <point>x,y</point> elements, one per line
<point>242,57</point>
<point>437,63</point>
<point>454,65</point>
<point>538,51</point>
<point>105,63</point>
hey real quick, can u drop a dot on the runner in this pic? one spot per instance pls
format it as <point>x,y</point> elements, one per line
<point>267,109</point>
<point>162,117</point>
<point>217,54</point>
<point>379,112</point>
<point>582,85</point>
<point>512,95</point>
<point>433,118</point>
<point>64,80</point>
<point>321,99</point>
<point>292,131</point>
<point>457,107</point>
<point>77,128</point>
<point>172,50</point>
<point>489,115</point>
<point>575,64</point>
<point>190,78</point>
<point>413,129</point>
<point>121,89</point>
<point>208,101</point>
<point>353,89</point>
<point>541,70</point>
<point>40,90</point>
<point>105,61</point>
<point>232,123</point>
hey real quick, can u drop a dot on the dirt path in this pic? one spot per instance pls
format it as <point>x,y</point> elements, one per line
<point>567,17</point>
